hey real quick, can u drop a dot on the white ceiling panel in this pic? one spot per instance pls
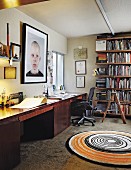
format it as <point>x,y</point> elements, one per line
<point>71,18</point>
<point>75,18</point>
<point>119,14</point>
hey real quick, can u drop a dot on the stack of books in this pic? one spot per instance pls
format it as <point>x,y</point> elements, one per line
<point>101,58</point>
<point>101,82</point>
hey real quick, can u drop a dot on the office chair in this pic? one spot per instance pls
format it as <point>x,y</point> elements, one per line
<point>82,107</point>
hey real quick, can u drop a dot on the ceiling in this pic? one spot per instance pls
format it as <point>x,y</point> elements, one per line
<point>75,18</point>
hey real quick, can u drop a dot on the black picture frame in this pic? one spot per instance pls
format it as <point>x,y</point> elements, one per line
<point>15,52</point>
<point>80,67</point>
<point>80,81</point>
<point>34,55</point>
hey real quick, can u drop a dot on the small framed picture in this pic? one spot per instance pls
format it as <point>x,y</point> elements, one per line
<point>15,51</point>
<point>80,67</point>
<point>9,72</point>
<point>80,81</point>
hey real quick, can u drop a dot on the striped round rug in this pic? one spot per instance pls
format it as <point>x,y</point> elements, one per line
<point>108,147</point>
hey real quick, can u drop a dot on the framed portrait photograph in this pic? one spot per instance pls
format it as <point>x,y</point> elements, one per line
<point>80,67</point>
<point>15,51</point>
<point>80,81</point>
<point>34,55</point>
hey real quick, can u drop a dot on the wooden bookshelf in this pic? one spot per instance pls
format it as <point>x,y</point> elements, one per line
<point>114,71</point>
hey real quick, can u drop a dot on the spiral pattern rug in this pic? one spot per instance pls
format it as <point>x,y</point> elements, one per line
<point>108,147</point>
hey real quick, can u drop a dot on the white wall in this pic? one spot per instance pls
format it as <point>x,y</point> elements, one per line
<point>69,71</point>
<point>56,42</point>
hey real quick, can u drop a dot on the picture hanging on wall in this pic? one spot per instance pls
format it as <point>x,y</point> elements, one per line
<point>80,53</point>
<point>80,67</point>
<point>15,51</point>
<point>80,81</point>
<point>34,55</point>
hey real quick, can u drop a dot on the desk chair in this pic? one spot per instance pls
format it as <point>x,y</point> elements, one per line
<point>83,107</point>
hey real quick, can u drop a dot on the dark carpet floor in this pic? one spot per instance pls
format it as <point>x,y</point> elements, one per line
<point>53,155</point>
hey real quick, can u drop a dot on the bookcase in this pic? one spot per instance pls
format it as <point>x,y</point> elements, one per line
<point>113,73</point>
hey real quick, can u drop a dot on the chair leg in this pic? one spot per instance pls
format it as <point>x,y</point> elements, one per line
<point>81,121</point>
<point>89,120</point>
<point>76,120</point>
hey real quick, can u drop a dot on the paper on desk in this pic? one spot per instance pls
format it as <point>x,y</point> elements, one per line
<point>30,103</point>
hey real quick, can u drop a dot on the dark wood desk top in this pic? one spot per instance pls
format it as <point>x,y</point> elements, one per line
<point>10,114</point>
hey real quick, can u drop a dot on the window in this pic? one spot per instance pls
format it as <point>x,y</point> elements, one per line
<point>58,73</point>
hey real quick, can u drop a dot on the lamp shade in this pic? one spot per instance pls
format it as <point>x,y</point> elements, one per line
<point>9,72</point>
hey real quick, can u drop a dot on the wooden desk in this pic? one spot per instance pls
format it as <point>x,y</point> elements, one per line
<point>42,122</point>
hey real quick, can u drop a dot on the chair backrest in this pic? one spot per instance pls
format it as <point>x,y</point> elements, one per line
<point>91,94</point>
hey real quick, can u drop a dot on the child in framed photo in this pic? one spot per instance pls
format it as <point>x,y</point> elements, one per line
<point>35,59</point>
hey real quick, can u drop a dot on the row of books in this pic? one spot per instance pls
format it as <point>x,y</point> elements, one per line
<point>113,58</point>
<point>124,95</point>
<point>122,83</point>
<point>118,83</point>
<point>119,44</point>
<point>118,57</point>
<point>107,95</point>
<point>104,95</point>
<point>119,70</point>
<point>126,109</point>
<point>101,95</point>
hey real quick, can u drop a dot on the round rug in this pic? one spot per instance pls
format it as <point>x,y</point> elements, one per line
<point>108,147</point>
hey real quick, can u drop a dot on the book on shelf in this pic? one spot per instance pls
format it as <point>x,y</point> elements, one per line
<point>119,70</point>
<point>130,109</point>
<point>101,95</point>
<point>125,109</point>
<point>121,83</point>
<point>101,58</point>
<point>119,57</point>
<point>101,82</point>
<point>123,44</point>
<point>110,83</point>
<point>124,95</point>
<point>104,95</point>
